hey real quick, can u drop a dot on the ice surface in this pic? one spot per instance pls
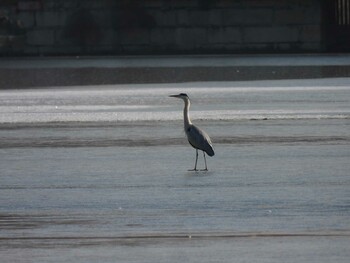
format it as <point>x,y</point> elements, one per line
<point>99,174</point>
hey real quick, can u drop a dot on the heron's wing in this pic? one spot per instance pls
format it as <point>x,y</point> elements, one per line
<point>199,139</point>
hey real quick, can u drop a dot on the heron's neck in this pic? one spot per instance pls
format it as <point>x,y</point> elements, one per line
<point>187,120</point>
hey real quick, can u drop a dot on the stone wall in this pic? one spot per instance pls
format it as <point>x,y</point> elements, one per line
<point>73,27</point>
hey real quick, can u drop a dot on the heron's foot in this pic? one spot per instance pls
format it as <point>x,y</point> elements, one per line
<point>206,169</point>
<point>192,170</point>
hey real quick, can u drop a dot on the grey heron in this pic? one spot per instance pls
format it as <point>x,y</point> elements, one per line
<point>198,138</point>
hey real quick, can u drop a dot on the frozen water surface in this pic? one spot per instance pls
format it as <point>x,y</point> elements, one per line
<point>99,173</point>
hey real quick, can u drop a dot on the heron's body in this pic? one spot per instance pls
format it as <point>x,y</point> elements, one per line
<point>198,138</point>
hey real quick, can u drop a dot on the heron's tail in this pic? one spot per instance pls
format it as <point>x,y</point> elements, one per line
<point>210,151</point>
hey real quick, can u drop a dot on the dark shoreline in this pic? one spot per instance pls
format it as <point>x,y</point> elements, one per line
<point>15,78</point>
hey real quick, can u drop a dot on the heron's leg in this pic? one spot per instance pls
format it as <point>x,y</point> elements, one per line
<point>205,161</point>
<point>195,164</point>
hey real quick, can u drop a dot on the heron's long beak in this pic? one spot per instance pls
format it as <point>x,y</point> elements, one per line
<point>175,96</point>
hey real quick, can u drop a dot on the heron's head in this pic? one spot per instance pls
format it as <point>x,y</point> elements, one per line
<point>181,96</point>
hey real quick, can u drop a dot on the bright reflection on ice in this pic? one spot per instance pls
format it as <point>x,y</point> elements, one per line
<point>288,99</point>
